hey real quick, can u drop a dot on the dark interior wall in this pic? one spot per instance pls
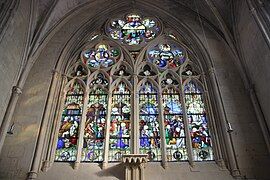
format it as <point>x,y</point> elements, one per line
<point>256,55</point>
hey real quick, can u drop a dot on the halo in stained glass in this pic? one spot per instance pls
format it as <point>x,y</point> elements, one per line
<point>102,55</point>
<point>133,30</point>
<point>167,55</point>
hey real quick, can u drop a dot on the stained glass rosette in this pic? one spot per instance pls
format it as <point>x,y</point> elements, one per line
<point>167,55</point>
<point>148,123</point>
<point>71,117</point>
<point>102,55</point>
<point>198,123</point>
<point>133,30</point>
<point>174,126</point>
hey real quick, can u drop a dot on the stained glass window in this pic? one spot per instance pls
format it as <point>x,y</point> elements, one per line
<point>148,122</point>
<point>102,55</point>
<point>166,55</point>
<point>71,117</point>
<point>122,93</point>
<point>120,123</point>
<point>134,29</point>
<point>174,126</point>
<point>198,123</point>
<point>94,132</point>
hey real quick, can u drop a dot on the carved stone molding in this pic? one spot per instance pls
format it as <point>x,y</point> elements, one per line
<point>134,166</point>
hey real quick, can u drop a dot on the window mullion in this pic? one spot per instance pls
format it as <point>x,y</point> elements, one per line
<point>162,130</point>
<point>56,119</point>
<point>135,124</point>
<point>186,124</point>
<point>82,127</point>
<point>107,131</point>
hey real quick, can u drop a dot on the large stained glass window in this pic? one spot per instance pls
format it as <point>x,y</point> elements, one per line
<point>94,132</point>
<point>147,92</point>
<point>148,122</point>
<point>71,117</point>
<point>174,125</point>
<point>198,125</point>
<point>120,123</point>
<point>134,29</point>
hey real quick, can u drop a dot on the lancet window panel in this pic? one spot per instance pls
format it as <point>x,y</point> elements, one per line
<point>120,123</point>
<point>174,125</point>
<point>94,132</point>
<point>67,142</point>
<point>198,122</point>
<point>148,122</point>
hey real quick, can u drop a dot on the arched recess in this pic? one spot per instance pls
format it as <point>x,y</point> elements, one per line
<point>63,54</point>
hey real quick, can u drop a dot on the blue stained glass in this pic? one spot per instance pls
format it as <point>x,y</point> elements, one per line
<point>191,87</point>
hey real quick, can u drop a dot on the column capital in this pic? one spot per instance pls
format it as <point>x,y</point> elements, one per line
<point>17,90</point>
<point>211,70</point>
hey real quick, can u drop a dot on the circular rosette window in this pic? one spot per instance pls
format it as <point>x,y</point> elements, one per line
<point>102,56</point>
<point>133,29</point>
<point>167,55</point>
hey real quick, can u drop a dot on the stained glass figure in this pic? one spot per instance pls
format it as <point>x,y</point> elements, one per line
<point>94,132</point>
<point>174,126</point>
<point>71,117</point>
<point>102,56</point>
<point>149,125</point>
<point>120,123</point>
<point>133,30</point>
<point>198,123</point>
<point>167,55</point>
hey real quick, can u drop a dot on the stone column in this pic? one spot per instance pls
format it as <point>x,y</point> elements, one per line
<point>134,166</point>
<point>16,91</point>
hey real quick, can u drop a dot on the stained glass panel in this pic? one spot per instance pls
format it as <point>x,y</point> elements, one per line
<point>102,56</point>
<point>94,132</point>
<point>149,125</point>
<point>133,30</point>
<point>71,117</point>
<point>120,123</point>
<point>167,55</point>
<point>174,126</point>
<point>198,124</point>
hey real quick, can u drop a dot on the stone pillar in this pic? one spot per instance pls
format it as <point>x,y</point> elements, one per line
<point>16,91</point>
<point>134,166</point>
